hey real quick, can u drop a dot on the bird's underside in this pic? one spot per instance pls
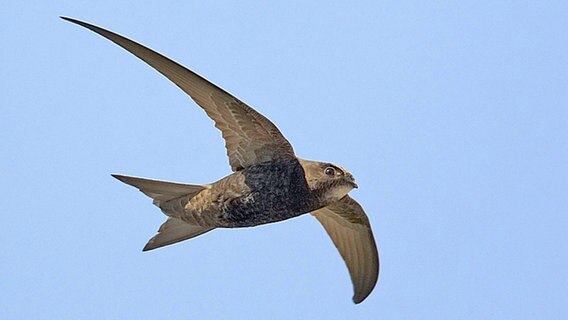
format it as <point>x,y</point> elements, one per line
<point>260,194</point>
<point>268,184</point>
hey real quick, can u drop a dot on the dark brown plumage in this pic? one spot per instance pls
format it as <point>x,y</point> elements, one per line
<point>268,184</point>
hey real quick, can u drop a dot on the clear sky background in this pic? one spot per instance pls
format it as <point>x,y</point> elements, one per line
<point>452,115</point>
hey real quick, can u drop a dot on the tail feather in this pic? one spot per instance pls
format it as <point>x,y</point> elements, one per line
<point>174,230</point>
<point>161,190</point>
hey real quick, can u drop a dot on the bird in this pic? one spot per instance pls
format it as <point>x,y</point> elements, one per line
<point>268,183</point>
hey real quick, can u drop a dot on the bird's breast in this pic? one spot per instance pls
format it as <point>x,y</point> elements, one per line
<point>277,191</point>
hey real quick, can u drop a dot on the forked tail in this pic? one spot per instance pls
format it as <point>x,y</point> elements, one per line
<point>174,229</point>
<point>160,191</point>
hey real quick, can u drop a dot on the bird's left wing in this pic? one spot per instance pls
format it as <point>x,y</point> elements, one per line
<point>348,227</point>
<point>250,138</point>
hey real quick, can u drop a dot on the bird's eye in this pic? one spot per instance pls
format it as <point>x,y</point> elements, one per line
<point>330,171</point>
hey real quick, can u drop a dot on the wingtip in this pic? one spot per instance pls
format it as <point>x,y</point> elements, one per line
<point>360,295</point>
<point>357,300</point>
<point>79,22</point>
<point>68,19</point>
<point>118,177</point>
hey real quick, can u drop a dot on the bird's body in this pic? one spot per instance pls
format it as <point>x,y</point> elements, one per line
<point>268,184</point>
<point>263,193</point>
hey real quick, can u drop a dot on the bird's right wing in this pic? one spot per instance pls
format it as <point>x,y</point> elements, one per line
<point>348,227</point>
<point>250,138</point>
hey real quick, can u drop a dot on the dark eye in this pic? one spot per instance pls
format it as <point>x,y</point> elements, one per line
<point>330,171</point>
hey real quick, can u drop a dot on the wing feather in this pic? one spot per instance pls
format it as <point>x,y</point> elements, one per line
<point>348,227</point>
<point>250,138</point>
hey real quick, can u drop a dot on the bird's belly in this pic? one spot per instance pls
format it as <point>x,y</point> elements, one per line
<point>260,194</point>
<point>278,191</point>
<point>256,209</point>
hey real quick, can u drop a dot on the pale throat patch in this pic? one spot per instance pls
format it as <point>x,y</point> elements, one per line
<point>338,192</point>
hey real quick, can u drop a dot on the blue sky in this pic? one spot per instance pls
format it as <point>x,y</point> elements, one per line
<point>452,116</point>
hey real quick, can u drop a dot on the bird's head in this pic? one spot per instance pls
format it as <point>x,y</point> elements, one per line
<point>328,181</point>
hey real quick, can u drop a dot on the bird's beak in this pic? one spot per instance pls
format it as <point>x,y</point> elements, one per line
<point>352,181</point>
